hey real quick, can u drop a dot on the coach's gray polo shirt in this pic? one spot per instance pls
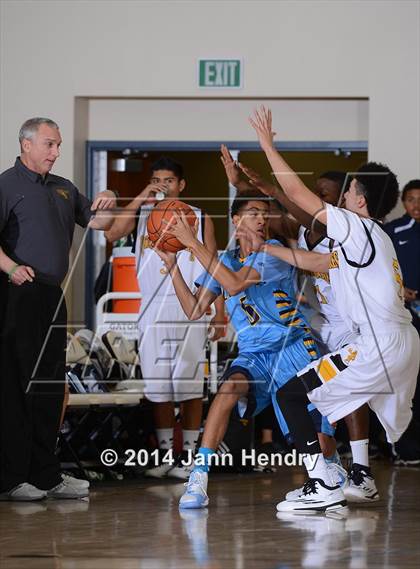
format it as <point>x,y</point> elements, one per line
<point>37,218</point>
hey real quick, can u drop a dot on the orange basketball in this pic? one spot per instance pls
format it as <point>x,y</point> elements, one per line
<point>159,232</point>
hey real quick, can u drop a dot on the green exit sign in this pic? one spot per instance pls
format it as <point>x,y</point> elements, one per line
<point>220,73</point>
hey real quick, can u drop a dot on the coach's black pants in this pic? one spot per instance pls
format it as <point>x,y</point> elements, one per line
<point>32,373</point>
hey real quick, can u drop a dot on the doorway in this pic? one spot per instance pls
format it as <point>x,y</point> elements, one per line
<point>126,166</point>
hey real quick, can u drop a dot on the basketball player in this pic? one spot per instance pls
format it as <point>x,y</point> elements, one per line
<point>273,337</point>
<point>172,354</point>
<point>327,324</point>
<point>380,367</point>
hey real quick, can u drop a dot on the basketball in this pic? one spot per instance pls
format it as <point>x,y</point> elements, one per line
<point>159,232</point>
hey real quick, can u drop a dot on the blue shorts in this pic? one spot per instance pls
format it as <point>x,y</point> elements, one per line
<point>267,372</point>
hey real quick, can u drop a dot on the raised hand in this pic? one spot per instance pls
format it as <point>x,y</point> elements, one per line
<point>258,181</point>
<point>233,173</point>
<point>262,124</point>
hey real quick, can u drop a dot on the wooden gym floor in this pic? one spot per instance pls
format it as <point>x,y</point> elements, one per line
<point>137,525</point>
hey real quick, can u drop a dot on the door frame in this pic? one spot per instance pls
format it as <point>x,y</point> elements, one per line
<point>95,146</point>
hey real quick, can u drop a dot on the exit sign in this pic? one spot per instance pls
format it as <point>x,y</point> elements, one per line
<point>220,73</point>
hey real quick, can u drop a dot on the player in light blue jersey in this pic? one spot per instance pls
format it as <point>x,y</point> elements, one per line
<point>273,337</point>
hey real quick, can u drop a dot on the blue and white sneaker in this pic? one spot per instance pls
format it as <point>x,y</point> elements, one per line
<point>195,496</point>
<point>338,476</point>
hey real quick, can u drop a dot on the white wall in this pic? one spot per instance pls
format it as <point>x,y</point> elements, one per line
<point>222,120</point>
<point>52,52</point>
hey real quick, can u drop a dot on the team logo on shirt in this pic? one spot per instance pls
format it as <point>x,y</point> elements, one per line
<point>351,356</point>
<point>334,262</point>
<point>398,278</point>
<point>147,244</point>
<point>63,193</point>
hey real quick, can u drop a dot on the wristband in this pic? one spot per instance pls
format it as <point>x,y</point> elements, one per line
<point>11,272</point>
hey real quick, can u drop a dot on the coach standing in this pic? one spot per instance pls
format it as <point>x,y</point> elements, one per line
<point>38,212</point>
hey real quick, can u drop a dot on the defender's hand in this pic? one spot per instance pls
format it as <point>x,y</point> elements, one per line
<point>232,170</point>
<point>258,181</point>
<point>262,124</point>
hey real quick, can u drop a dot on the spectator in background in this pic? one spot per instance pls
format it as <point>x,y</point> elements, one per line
<point>405,234</point>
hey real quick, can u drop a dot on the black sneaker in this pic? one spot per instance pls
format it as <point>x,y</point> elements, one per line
<point>361,486</point>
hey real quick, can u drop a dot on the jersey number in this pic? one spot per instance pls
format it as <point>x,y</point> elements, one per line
<point>250,311</point>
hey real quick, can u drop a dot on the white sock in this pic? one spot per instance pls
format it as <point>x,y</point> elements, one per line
<point>190,439</point>
<point>317,468</point>
<point>165,438</point>
<point>360,451</point>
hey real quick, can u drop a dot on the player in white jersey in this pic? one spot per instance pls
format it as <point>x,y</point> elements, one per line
<point>171,349</point>
<point>327,323</point>
<point>380,368</point>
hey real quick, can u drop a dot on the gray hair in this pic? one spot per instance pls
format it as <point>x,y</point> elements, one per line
<point>30,127</point>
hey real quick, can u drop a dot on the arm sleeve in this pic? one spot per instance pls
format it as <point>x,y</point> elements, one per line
<point>82,212</point>
<point>207,281</point>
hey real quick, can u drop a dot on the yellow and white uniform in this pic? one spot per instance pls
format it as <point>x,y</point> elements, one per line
<point>380,367</point>
<point>327,323</point>
<point>171,348</point>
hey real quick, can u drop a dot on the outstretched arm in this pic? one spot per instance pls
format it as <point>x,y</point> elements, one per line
<point>292,185</point>
<point>104,208</point>
<point>303,218</point>
<point>125,221</point>
<point>233,172</point>
<point>306,260</point>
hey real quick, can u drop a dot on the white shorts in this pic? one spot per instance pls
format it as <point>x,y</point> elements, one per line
<point>333,335</point>
<point>172,351</point>
<point>380,370</point>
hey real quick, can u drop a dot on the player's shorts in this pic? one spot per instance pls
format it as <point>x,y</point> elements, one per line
<point>172,351</point>
<point>332,335</point>
<point>267,372</point>
<point>379,369</point>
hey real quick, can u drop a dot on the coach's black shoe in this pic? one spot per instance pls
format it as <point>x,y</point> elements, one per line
<point>361,486</point>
